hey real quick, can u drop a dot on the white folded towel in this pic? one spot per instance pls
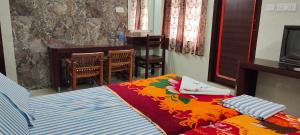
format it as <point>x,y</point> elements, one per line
<point>191,86</point>
<point>253,106</point>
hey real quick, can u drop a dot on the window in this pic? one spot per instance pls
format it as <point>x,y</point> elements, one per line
<point>184,25</point>
<point>138,15</point>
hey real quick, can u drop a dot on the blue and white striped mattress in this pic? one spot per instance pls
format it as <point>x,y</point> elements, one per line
<point>88,111</point>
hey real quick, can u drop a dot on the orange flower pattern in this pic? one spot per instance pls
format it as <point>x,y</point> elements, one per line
<point>192,110</point>
<point>279,124</point>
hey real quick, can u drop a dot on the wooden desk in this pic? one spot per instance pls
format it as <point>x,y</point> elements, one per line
<point>139,42</point>
<point>59,51</point>
<point>136,40</point>
<point>248,72</point>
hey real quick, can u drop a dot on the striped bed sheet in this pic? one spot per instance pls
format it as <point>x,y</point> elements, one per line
<point>88,111</point>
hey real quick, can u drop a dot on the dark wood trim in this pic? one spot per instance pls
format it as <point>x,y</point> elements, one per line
<point>2,61</point>
<point>255,30</point>
<point>215,40</point>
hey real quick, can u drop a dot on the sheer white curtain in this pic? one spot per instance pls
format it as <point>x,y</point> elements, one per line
<point>186,22</point>
<point>138,15</point>
<point>174,18</point>
<point>191,24</point>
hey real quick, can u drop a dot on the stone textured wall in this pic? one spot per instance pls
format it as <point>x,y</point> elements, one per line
<point>72,21</point>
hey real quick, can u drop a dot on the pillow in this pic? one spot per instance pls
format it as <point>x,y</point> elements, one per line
<point>12,120</point>
<point>17,94</point>
<point>253,106</point>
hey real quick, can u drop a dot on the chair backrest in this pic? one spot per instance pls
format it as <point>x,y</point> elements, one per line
<point>118,56</point>
<point>155,41</point>
<point>87,59</point>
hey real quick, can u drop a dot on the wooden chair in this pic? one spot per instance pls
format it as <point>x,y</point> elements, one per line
<point>152,61</point>
<point>85,65</point>
<point>120,60</point>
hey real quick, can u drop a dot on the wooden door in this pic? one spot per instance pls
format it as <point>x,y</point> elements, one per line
<point>234,38</point>
<point>2,63</point>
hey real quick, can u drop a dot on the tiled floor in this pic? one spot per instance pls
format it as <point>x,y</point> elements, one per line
<point>47,91</point>
<point>41,92</point>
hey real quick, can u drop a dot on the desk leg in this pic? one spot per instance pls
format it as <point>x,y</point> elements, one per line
<point>56,69</point>
<point>53,62</point>
<point>246,82</point>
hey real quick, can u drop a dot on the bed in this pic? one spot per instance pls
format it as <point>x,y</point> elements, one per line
<point>158,98</point>
<point>149,106</point>
<point>279,124</point>
<point>88,111</point>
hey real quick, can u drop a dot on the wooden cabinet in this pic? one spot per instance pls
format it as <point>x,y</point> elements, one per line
<point>233,39</point>
<point>2,62</point>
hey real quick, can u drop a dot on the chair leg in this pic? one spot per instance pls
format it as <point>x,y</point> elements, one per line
<point>71,82</point>
<point>152,69</point>
<point>136,68</point>
<point>163,68</point>
<point>101,77</point>
<point>130,72</point>
<point>109,77</point>
<point>146,70</point>
<point>130,75</point>
<point>74,83</point>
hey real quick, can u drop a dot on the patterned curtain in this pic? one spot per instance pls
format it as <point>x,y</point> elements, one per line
<point>180,26</point>
<point>184,25</point>
<point>138,15</point>
<point>167,18</point>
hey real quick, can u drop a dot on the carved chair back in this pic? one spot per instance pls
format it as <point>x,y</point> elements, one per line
<point>84,65</point>
<point>120,60</point>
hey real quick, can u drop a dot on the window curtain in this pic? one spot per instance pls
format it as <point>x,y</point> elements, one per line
<point>138,15</point>
<point>184,25</point>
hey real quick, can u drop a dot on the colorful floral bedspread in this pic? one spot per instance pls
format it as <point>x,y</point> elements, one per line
<point>278,124</point>
<point>159,99</point>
